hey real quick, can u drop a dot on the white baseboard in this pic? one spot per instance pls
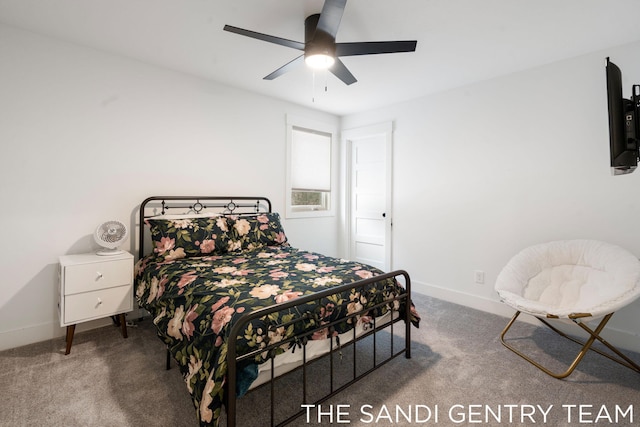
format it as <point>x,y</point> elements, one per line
<point>461,298</point>
<point>47,331</point>
<point>627,340</point>
<point>43,332</point>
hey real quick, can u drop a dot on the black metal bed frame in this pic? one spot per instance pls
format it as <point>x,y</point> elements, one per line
<point>160,205</point>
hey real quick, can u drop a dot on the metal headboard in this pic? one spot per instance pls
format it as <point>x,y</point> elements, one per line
<point>161,205</point>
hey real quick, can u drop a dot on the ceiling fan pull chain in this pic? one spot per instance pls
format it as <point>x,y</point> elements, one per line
<point>313,88</point>
<point>326,84</point>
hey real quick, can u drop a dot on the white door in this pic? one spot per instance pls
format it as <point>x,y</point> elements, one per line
<point>369,194</point>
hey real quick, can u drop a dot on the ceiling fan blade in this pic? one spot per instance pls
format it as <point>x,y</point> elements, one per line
<point>372,48</point>
<point>286,67</point>
<point>265,37</point>
<point>330,16</point>
<point>340,71</point>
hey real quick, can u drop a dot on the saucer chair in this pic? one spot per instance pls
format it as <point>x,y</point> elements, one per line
<point>573,281</point>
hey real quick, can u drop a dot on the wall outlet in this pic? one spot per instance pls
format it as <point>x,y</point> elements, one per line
<point>479,276</point>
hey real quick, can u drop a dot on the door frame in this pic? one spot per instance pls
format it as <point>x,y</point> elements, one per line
<point>346,137</point>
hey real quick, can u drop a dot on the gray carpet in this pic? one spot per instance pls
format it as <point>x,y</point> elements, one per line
<point>459,371</point>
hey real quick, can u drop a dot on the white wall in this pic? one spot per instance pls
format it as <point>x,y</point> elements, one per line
<point>480,172</point>
<point>485,170</point>
<point>86,136</point>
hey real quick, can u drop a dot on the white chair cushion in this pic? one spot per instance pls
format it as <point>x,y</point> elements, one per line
<point>571,276</point>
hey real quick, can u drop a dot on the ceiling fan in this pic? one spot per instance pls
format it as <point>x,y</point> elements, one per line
<point>320,47</point>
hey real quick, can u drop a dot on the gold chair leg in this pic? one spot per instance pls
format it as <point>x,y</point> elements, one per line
<point>622,360</point>
<point>586,346</point>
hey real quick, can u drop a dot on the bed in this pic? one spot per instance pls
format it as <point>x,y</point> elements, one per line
<point>237,306</point>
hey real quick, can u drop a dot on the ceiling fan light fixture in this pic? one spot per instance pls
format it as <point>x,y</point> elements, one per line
<point>319,61</point>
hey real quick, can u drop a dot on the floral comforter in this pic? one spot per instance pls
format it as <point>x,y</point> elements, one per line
<point>194,301</point>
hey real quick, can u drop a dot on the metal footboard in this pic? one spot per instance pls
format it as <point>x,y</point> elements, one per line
<point>233,358</point>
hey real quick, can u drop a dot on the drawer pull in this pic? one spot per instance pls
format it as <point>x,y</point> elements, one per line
<point>100,276</point>
<point>99,303</point>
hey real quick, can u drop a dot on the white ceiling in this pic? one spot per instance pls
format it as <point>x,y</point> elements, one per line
<point>459,41</point>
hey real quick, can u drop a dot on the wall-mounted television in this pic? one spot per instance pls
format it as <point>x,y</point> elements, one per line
<point>624,123</point>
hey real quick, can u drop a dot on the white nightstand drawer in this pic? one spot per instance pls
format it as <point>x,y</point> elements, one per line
<point>97,275</point>
<point>97,304</point>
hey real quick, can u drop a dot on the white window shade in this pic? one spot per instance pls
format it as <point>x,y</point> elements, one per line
<point>310,161</point>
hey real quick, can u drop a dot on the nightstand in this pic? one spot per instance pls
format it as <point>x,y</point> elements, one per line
<point>92,287</point>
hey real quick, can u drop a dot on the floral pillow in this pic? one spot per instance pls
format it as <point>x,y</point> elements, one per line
<point>254,231</point>
<point>189,237</point>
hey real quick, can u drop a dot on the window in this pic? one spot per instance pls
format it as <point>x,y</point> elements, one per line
<point>310,152</point>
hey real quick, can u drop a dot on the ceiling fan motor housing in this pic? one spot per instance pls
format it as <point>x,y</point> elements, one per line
<point>317,42</point>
